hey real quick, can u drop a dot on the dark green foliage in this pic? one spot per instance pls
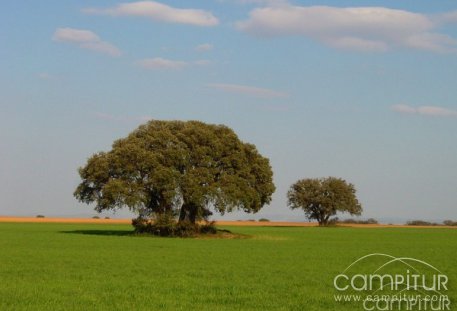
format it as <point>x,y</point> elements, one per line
<point>96,217</point>
<point>180,169</point>
<point>39,216</point>
<point>264,220</point>
<point>321,198</point>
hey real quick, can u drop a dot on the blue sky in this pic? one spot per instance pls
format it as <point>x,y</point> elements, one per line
<point>363,90</point>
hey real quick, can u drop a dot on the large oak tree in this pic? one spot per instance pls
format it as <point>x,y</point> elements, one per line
<point>321,198</point>
<point>180,168</point>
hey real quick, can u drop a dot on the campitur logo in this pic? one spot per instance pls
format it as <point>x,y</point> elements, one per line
<point>385,282</point>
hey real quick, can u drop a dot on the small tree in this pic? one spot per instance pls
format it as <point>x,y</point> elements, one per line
<point>167,170</point>
<point>322,198</point>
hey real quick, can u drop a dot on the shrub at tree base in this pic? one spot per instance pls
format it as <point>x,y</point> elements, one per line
<point>166,225</point>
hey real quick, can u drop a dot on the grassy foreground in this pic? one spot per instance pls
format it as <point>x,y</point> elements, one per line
<point>102,267</point>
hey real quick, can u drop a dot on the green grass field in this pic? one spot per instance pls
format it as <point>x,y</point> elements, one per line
<point>102,267</point>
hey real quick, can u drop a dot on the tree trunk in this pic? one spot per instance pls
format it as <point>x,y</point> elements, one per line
<point>182,213</point>
<point>188,213</point>
<point>323,220</point>
<point>193,214</point>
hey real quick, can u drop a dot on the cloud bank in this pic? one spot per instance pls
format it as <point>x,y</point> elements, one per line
<point>85,39</point>
<point>375,29</point>
<point>433,111</point>
<point>205,47</point>
<point>163,63</point>
<point>158,12</point>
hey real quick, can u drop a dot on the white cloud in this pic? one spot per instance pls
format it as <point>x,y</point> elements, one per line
<point>102,47</point>
<point>75,35</point>
<point>434,42</point>
<point>204,47</point>
<point>247,90</point>
<point>263,2</point>
<point>85,39</point>
<point>354,28</point>
<point>159,12</point>
<point>161,63</point>
<point>404,109</point>
<point>436,111</point>
<point>433,111</point>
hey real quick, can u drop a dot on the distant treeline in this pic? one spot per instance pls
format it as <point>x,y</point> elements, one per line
<point>369,221</point>
<point>428,223</point>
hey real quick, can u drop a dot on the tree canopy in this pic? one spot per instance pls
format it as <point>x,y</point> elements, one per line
<point>321,198</point>
<point>177,168</point>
